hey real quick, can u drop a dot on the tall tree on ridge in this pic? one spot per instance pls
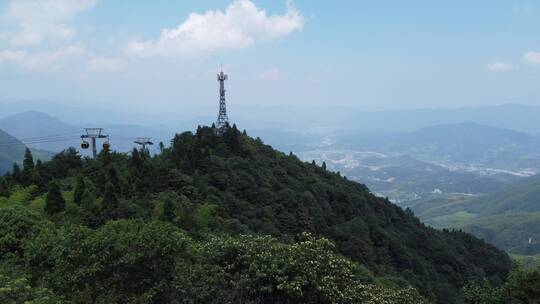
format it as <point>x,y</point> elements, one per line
<point>54,202</point>
<point>28,166</point>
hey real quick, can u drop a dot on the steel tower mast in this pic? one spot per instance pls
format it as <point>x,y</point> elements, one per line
<point>223,119</point>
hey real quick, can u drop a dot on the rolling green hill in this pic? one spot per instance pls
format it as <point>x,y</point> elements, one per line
<point>233,184</point>
<point>522,197</point>
<point>508,219</point>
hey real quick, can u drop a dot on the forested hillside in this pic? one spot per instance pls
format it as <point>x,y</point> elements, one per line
<point>508,219</point>
<point>189,222</point>
<point>12,150</point>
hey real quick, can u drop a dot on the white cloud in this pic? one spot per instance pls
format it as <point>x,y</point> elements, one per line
<point>43,60</point>
<point>241,25</point>
<point>97,64</point>
<point>272,74</point>
<point>532,57</point>
<point>39,20</point>
<point>500,66</point>
<point>12,56</point>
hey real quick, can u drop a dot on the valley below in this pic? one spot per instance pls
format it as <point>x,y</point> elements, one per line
<point>483,181</point>
<point>498,205</point>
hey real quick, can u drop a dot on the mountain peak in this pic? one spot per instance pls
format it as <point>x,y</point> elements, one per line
<point>31,115</point>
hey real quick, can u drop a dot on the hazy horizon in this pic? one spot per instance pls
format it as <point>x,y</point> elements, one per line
<point>81,113</point>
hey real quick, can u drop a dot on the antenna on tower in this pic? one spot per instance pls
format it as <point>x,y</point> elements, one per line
<point>223,119</point>
<point>143,141</point>
<point>93,134</point>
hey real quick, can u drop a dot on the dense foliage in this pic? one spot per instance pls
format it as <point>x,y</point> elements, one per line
<point>522,287</point>
<point>154,229</point>
<point>133,261</point>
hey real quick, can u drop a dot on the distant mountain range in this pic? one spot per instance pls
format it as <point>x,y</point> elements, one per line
<point>523,118</point>
<point>468,143</point>
<point>43,131</point>
<point>34,124</point>
<point>332,121</point>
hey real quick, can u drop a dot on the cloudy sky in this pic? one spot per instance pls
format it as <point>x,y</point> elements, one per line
<point>164,54</point>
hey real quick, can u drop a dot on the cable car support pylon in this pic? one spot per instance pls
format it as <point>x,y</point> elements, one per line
<point>93,134</point>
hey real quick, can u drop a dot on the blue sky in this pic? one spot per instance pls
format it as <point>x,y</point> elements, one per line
<point>374,55</point>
